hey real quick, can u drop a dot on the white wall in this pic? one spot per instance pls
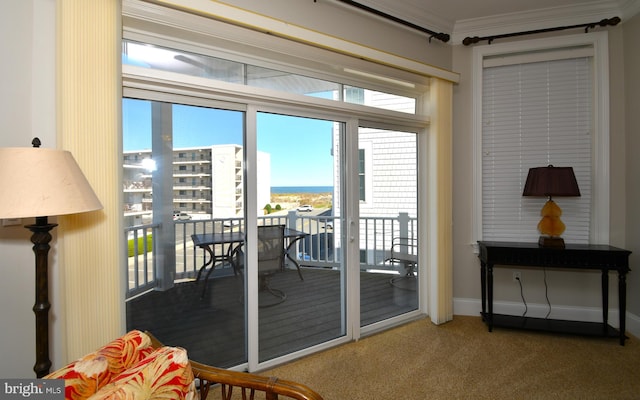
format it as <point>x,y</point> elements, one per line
<point>27,109</point>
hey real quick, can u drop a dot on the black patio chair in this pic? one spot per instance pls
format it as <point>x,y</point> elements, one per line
<point>270,260</point>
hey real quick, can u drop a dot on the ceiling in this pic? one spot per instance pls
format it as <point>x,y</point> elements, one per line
<point>461,18</point>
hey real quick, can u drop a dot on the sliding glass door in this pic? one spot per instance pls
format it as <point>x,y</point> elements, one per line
<point>183,180</point>
<point>207,184</point>
<point>388,227</point>
<point>302,304</point>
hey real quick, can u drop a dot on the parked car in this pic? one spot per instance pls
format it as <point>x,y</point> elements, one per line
<point>305,208</point>
<point>181,216</point>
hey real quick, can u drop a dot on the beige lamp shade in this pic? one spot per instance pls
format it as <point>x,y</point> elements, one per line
<point>40,182</point>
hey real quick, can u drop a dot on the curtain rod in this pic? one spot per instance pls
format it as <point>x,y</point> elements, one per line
<point>605,22</point>
<point>438,35</point>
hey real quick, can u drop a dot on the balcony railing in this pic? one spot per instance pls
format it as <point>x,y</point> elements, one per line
<point>320,249</point>
<point>141,264</point>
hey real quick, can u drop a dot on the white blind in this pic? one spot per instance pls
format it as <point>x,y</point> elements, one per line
<point>535,114</point>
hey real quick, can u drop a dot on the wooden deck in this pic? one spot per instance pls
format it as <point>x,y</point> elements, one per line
<point>212,328</point>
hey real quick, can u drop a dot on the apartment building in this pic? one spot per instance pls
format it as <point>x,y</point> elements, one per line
<point>207,182</point>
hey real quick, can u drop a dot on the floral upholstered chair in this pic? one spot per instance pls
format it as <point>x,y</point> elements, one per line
<point>137,366</point>
<point>129,367</point>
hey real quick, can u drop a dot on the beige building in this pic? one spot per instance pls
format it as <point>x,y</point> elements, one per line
<point>207,183</point>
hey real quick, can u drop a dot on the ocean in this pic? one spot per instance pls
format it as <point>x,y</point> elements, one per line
<point>301,189</point>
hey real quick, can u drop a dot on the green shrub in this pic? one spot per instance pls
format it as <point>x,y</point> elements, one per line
<point>141,245</point>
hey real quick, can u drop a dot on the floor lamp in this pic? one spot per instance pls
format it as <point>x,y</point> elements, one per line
<point>38,182</point>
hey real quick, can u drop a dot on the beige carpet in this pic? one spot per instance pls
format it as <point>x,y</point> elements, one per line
<point>462,360</point>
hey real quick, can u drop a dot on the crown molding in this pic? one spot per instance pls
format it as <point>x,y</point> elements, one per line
<point>415,12</point>
<point>537,19</point>
<point>589,11</point>
<point>629,8</point>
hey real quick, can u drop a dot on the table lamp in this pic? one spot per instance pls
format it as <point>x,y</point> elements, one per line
<point>548,182</point>
<point>39,183</point>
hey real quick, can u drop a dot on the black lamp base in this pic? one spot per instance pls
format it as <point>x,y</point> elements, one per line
<point>40,239</point>
<point>551,242</point>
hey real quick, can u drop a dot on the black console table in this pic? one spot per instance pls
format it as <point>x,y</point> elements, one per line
<point>599,257</point>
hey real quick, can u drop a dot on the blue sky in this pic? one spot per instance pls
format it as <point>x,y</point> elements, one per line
<point>300,148</point>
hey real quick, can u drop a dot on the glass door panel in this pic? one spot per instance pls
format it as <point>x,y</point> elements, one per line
<point>388,190</point>
<point>302,303</point>
<point>183,176</point>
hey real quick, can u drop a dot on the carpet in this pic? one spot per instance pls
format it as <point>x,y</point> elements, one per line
<point>462,360</point>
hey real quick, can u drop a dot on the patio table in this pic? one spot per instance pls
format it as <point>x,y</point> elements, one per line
<point>234,241</point>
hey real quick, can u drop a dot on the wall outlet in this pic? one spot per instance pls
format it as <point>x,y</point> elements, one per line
<point>517,276</point>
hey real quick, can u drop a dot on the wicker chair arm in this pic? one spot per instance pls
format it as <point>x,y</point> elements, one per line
<point>247,383</point>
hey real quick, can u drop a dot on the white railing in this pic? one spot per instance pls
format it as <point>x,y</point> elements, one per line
<point>320,249</point>
<point>141,264</point>
<point>377,235</point>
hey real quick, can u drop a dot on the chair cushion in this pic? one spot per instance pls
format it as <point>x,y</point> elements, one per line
<point>85,376</point>
<point>164,374</point>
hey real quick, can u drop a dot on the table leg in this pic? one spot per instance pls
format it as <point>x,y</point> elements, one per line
<point>483,287</point>
<point>295,262</point>
<point>237,254</point>
<point>212,261</point>
<point>207,250</point>
<point>605,299</point>
<point>489,316</point>
<point>622,303</point>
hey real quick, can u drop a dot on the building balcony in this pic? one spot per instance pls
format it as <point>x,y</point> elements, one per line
<point>317,297</point>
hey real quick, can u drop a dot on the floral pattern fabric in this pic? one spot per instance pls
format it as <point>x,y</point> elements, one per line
<point>165,374</point>
<point>84,377</point>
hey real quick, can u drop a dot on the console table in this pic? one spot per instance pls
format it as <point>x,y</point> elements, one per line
<point>579,257</point>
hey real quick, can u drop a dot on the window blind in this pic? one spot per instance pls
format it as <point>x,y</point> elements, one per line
<point>535,114</point>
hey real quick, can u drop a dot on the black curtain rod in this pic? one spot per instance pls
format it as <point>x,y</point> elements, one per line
<point>438,35</point>
<point>605,22</point>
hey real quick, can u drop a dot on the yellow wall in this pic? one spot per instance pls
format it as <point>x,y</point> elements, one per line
<point>88,125</point>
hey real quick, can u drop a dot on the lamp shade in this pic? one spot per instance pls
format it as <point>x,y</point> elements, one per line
<point>551,181</point>
<point>39,182</point>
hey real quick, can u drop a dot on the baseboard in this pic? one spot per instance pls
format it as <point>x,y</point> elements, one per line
<point>462,306</point>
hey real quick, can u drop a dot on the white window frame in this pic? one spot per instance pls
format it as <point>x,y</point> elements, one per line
<point>599,229</point>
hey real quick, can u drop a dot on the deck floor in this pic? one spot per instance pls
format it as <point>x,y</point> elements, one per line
<point>212,328</point>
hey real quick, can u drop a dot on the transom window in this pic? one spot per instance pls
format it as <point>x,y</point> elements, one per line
<point>166,59</point>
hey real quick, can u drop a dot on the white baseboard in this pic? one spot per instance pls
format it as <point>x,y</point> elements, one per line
<point>462,306</point>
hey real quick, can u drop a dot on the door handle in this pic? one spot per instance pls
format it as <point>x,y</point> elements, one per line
<point>351,227</point>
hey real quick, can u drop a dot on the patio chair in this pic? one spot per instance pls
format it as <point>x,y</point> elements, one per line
<point>404,251</point>
<point>270,260</point>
